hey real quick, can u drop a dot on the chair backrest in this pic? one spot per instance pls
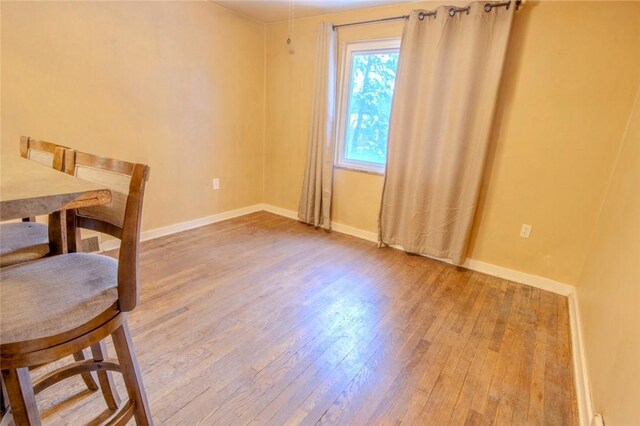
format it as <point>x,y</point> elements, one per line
<point>46,153</point>
<point>120,218</point>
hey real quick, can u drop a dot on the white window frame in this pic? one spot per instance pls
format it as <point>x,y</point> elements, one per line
<point>348,50</point>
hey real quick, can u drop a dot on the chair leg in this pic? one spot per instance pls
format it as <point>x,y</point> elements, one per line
<point>21,397</point>
<point>131,374</point>
<point>99,352</point>
<point>3,396</point>
<point>88,377</point>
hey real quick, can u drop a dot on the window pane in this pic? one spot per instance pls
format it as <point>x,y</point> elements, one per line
<point>373,76</point>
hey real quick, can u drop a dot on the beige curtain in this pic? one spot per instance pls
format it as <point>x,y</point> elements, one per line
<point>315,200</point>
<point>446,88</point>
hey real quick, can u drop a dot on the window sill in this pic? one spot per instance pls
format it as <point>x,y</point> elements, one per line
<point>357,169</point>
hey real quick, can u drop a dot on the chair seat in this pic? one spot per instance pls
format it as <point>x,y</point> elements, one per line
<point>22,242</point>
<point>54,295</point>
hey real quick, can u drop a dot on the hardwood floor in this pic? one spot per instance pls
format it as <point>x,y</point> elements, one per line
<point>262,320</point>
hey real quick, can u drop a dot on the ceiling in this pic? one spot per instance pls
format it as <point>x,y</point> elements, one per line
<point>278,10</point>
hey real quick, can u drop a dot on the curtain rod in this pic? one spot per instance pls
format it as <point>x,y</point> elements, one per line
<point>393,18</point>
<point>452,12</point>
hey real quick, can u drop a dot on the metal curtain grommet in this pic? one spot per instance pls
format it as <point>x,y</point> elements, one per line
<point>454,10</point>
<point>427,14</point>
<point>487,7</point>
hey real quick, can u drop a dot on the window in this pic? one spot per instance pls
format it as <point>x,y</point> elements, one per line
<point>368,78</point>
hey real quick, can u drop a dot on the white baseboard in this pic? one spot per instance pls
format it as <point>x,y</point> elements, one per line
<point>110,245</point>
<point>338,227</point>
<point>583,393</point>
<point>585,410</point>
<point>349,230</point>
<point>520,277</point>
<point>279,211</point>
<point>185,226</point>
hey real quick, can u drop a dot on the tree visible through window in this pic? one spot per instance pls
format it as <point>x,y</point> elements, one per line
<point>371,75</point>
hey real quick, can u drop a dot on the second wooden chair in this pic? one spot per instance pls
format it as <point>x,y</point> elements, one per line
<point>29,240</point>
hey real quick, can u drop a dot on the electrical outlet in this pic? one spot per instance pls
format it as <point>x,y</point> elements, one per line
<point>525,231</point>
<point>216,183</point>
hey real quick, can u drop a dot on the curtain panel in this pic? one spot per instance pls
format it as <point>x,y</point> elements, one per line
<point>315,200</point>
<point>446,88</point>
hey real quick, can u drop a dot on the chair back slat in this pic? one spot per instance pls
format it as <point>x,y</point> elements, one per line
<point>42,152</point>
<point>118,183</point>
<point>120,218</point>
<point>46,153</point>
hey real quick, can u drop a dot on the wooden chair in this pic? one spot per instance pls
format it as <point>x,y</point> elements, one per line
<point>29,240</point>
<point>55,306</point>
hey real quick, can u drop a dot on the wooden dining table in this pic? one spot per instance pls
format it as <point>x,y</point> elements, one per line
<point>30,189</point>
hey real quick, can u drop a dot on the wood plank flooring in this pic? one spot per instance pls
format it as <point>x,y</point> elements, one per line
<point>262,320</point>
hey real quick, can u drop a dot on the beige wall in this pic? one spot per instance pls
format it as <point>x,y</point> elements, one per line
<point>609,291</point>
<point>570,76</point>
<point>181,86</point>
<point>177,85</point>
